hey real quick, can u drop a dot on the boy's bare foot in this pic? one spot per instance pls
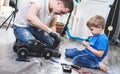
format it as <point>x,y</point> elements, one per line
<point>103,67</point>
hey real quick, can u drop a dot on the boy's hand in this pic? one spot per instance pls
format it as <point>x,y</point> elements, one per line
<point>85,43</point>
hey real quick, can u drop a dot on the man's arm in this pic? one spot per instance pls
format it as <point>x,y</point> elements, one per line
<point>32,17</point>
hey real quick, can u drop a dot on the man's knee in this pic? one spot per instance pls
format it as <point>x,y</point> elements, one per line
<point>32,42</point>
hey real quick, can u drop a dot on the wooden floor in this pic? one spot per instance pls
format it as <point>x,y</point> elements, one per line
<point>9,65</point>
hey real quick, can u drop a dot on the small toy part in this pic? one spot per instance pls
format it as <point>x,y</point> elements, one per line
<point>76,67</point>
<point>22,59</point>
<point>67,68</point>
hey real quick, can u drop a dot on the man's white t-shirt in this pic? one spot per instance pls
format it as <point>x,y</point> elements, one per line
<point>44,14</point>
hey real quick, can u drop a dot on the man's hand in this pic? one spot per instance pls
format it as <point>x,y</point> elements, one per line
<point>56,38</point>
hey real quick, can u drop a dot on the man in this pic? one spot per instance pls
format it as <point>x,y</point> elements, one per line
<point>36,19</point>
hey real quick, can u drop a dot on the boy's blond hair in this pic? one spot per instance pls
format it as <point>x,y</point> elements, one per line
<point>96,21</point>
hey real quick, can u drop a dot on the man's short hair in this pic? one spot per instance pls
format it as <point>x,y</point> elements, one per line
<point>69,4</point>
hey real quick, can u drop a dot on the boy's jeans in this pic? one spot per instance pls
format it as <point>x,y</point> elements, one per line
<point>81,58</point>
<point>25,34</point>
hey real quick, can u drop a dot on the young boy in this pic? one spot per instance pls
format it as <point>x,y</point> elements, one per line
<point>96,46</point>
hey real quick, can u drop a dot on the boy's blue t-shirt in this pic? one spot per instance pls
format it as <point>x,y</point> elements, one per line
<point>99,42</point>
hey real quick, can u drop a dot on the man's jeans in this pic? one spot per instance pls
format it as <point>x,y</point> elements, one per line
<point>81,58</point>
<point>24,34</point>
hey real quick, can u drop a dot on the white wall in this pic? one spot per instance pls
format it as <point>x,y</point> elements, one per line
<point>82,12</point>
